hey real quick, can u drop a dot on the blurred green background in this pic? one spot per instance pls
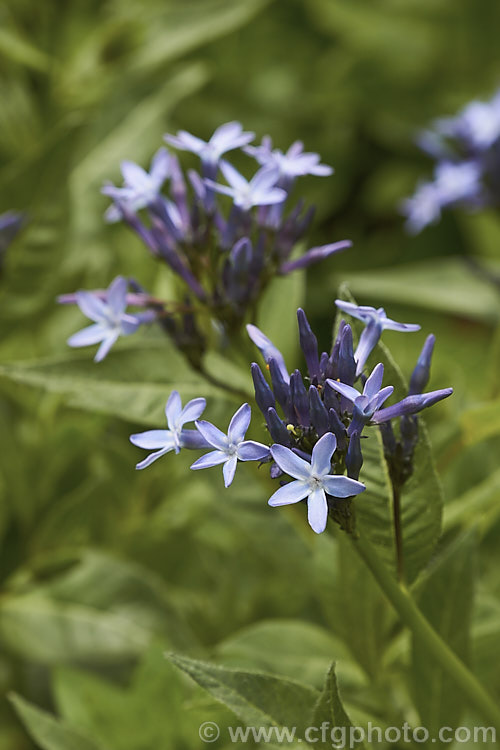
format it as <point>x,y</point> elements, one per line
<point>101,568</point>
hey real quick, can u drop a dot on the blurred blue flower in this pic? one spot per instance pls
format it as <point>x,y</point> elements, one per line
<point>175,438</point>
<point>231,447</point>
<point>225,138</point>
<point>313,481</point>
<point>140,189</point>
<point>260,191</point>
<point>375,321</point>
<point>109,316</point>
<point>293,163</point>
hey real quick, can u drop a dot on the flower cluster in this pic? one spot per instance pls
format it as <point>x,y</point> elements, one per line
<point>224,251</point>
<point>315,420</point>
<point>466,149</point>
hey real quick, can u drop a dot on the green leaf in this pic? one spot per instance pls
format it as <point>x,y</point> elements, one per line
<point>132,383</point>
<point>481,422</point>
<point>446,599</point>
<point>48,732</point>
<point>258,699</point>
<point>295,649</point>
<point>477,507</point>
<point>49,632</point>
<point>330,710</point>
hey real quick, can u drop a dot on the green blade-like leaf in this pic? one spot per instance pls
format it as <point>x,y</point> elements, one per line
<point>258,699</point>
<point>329,710</point>
<point>446,599</point>
<point>48,732</point>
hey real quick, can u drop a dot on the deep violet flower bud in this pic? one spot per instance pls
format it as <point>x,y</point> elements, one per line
<point>346,361</point>
<point>277,428</point>
<point>300,399</point>
<point>263,394</point>
<point>338,429</point>
<point>354,457</point>
<point>281,388</point>
<point>411,405</point>
<point>318,412</point>
<point>331,398</point>
<point>309,345</point>
<point>421,373</point>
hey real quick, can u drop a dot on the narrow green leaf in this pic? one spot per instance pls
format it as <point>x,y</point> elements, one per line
<point>48,732</point>
<point>21,51</point>
<point>258,699</point>
<point>446,599</point>
<point>330,711</point>
<point>476,505</point>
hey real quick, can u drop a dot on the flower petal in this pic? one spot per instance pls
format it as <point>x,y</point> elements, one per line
<point>214,458</point>
<point>213,435</point>
<point>235,179</point>
<point>153,439</point>
<point>91,306</point>
<point>173,410</point>
<point>106,345</point>
<point>290,463</point>
<point>374,382</point>
<point>293,492</point>
<point>152,457</point>
<point>367,343</point>
<point>87,336</point>
<point>116,295</point>
<point>193,410</point>
<point>268,350</point>
<point>229,470</point>
<point>252,451</point>
<point>348,391</point>
<point>337,485</point>
<point>322,454</point>
<point>317,511</point>
<point>239,424</point>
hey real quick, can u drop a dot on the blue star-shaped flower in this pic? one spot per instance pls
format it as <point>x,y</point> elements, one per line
<point>226,138</point>
<point>175,438</point>
<point>109,316</point>
<point>140,188</point>
<point>375,321</point>
<point>231,447</point>
<point>366,403</point>
<point>312,480</point>
<point>260,191</point>
<point>293,163</point>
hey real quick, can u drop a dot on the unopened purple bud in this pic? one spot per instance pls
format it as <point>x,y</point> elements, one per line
<point>281,388</point>
<point>421,373</point>
<point>338,429</point>
<point>277,428</point>
<point>275,471</point>
<point>300,399</point>
<point>319,415</point>
<point>315,255</point>
<point>411,405</point>
<point>388,438</point>
<point>408,429</point>
<point>331,398</point>
<point>263,394</point>
<point>324,366</point>
<point>308,344</point>
<point>347,364</point>
<point>354,457</point>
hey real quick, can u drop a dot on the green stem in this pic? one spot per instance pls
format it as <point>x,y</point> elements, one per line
<point>412,617</point>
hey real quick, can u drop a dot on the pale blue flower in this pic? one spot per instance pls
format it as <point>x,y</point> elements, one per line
<point>109,316</point>
<point>422,208</point>
<point>260,191</point>
<point>478,124</point>
<point>226,138</point>
<point>375,321</point>
<point>268,350</point>
<point>231,447</point>
<point>293,163</point>
<point>140,189</point>
<point>367,403</point>
<point>176,437</point>
<point>313,481</point>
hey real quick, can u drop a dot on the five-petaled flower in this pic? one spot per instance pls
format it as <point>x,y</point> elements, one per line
<point>231,447</point>
<point>140,189</point>
<point>313,481</point>
<point>260,191</point>
<point>293,163</point>
<point>225,138</point>
<point>176,437</point>
<point>375,321</point>
<point>109,316</point>
<point>367,403</point>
